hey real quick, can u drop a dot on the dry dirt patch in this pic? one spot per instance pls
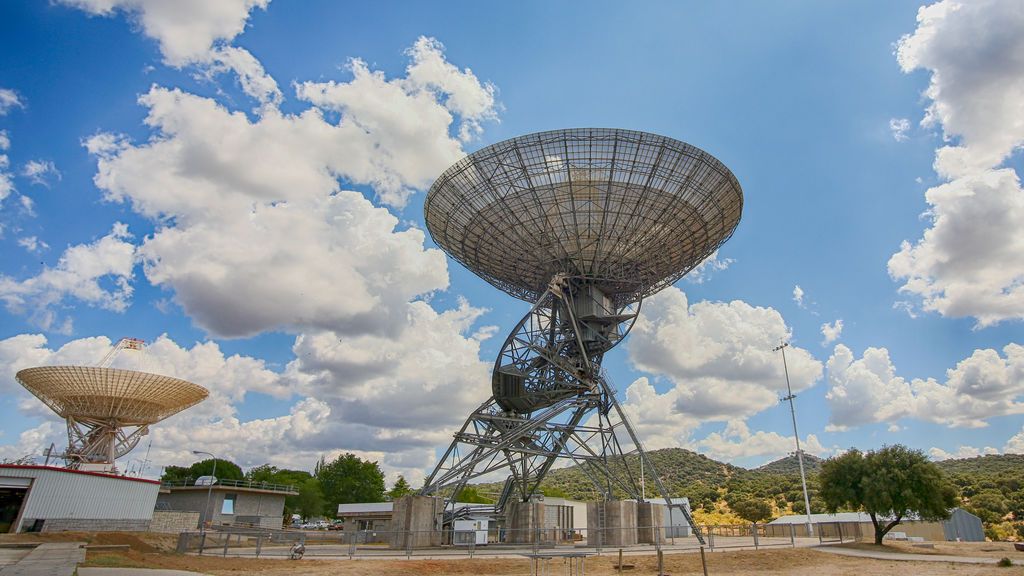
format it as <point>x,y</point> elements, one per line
<point>799,562</point>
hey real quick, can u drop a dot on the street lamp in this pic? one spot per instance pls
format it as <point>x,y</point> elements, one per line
<point>209,488</point>
<point>796,436</point>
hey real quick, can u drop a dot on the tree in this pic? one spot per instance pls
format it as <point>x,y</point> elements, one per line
<point>274,475</point>
<point>889,484</point>
<point>752,509</point>
<point>226,470</point>
<point>816,506</point>
<point>471,495</point>
<point>989,505</point>
<point>348,479</point>
<point>401,488</point>
<point>310,501</point>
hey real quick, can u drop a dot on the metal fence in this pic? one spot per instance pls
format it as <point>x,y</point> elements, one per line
<point>495,541</point>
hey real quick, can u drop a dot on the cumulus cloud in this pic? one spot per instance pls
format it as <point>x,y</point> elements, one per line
<point>9,100</point>
<point>392,400</point>
<point>186,30</point>
<point>899,128</point>
<point>737,442</point>
<point>961,452</point>
<point>798,296</point>
<point>961,268</point>
<point>831,332</point>
<point>1015,445</point>
<point>712,264</point>
<point>6,179</point>
<point>867,389</point>
<point>718,355</point>
<point>40,172</point>
<point>973,51</point>
<point>33,244</point>
<point>98,274</point>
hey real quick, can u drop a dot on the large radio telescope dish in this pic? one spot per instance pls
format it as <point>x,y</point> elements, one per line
<point>630,211</point>
<point>584,224</point>
<point>101,405</point>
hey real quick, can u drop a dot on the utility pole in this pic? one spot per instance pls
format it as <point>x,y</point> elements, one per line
<point>796,436</point>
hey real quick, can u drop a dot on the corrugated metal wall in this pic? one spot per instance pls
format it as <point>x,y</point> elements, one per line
<point>965,526</point>
<point>61,494</point>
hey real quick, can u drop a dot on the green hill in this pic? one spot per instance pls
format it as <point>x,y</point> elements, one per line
<point>790,465</point>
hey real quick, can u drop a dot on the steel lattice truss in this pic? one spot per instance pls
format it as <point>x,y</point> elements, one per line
<point>632,211</point>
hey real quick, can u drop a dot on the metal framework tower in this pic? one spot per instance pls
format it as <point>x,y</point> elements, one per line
<point>583,224</point>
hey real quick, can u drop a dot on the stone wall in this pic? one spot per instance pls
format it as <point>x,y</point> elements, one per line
<point>174,521</point>
<point>89,525</point>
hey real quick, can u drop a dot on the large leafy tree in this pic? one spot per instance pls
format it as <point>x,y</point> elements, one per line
<point>296,478</point>
<point>348,479</point>
<point>752,509</point>
<point>226,470</point>
<point>310,501</point>
<point>890,484</point>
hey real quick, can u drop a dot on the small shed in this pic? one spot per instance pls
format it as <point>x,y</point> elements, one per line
<point>53,499</point>
<point>857,525</point>
<point>236,502</point>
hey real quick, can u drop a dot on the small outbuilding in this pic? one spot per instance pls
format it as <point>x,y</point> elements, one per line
<point>961,526</point>
<point>53,499</point>
<point>230,501</point>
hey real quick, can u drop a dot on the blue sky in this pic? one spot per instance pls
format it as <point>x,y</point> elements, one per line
<point>242,185</point>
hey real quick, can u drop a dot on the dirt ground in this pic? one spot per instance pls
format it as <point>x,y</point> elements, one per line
<point>983,549</point>
<point>798,562</point>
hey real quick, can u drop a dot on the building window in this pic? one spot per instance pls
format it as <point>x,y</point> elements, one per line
<point>228,507</point>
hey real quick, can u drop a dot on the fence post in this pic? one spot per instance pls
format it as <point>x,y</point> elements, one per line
<point>259,544</point>
<point>408,543</point>
<point>792,535</point>
<point>202,542</point>
<point>753,528</point>
<point>711,537</point>
<point>227,540</point>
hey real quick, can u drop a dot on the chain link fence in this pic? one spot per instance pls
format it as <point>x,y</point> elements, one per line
<point>492,541</point>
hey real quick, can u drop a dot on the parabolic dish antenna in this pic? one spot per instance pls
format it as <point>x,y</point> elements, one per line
<point>584,224</point>
<point>107,409</point>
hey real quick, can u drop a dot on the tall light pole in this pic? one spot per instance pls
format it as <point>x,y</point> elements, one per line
<point>796,436</point>
<point>209,488</point>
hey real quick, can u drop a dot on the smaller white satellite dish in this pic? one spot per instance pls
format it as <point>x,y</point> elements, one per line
<point>206,481</point>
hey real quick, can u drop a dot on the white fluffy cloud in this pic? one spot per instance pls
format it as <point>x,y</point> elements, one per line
<point>969,263</point>
<point>867,389</point>
<point>831,332</point>
<point>393,400</point>
<point>1015,445</point>
<point>961,452</point>
<point>6,179</point>
<point>257,234</point>
<point>40,172</point>
<point>186,30</point>
<point>798,295</point>
<point>98,274</point>
<point>899,128</point>
<point>718,355</point>
<point>973,52</point>
<point>737,442</point>
<point>708,267</point>
<point>8,100</point>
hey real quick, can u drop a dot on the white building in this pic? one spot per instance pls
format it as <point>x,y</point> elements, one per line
<point>52,499</point>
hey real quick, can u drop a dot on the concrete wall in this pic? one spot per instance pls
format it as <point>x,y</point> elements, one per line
<point>524,522</point>
<point>416,522</point>
<point>173,521</point>
<point>650,521</point>
<point>620,523</point>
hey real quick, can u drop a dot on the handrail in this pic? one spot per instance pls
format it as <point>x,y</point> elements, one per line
<point>285,488</point>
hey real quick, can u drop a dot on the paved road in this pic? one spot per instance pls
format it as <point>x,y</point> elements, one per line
<point>50,559</point>
<point>904,556</point>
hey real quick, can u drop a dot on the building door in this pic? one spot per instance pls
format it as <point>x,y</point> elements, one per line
<point>11,500</point>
